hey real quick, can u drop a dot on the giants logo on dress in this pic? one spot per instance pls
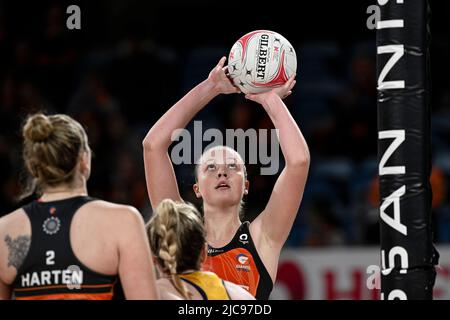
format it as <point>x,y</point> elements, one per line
<point>243,262</point>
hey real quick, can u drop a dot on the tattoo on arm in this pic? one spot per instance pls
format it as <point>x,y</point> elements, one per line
<point>18,249</point>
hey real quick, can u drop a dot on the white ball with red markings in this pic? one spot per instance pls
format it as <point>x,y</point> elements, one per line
<point>260,61</point>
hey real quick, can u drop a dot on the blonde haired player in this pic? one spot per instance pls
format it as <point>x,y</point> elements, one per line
<point>243,253</point>
<point>67,245</point>
<point>177,237</point>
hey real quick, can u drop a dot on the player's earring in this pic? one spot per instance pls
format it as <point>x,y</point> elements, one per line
<point>245,191</point>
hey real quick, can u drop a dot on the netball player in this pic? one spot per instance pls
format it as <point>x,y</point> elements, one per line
<point>243,253</point>
<point>67,245</point>
<point>177,237</point>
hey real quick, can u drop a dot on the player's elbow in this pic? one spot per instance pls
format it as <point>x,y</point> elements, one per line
<point>301,161</point>
<point>153,142</point>
<point>150,142</point>
<point>147,144</point>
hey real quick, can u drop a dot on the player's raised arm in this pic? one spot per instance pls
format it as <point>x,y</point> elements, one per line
<point>277,218</point>
<point>159,173</point>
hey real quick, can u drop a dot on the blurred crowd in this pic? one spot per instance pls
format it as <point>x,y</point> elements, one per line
<point>118,86</point>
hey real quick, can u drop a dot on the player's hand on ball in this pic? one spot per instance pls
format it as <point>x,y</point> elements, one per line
<point>282,91</point>
<point>219,78</point>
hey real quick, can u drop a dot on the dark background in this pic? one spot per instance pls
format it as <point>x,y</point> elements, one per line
<point>132,60</point>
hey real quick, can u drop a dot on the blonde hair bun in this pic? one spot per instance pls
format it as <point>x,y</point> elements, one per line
<point>38,128</point>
